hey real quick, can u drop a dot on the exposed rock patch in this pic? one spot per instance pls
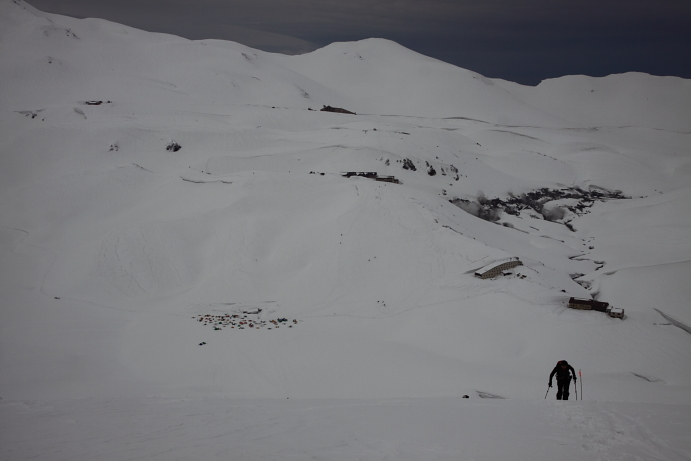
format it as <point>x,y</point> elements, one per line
<point>173,147</point>
<point>408,164</point>
<point>337,110</point>
<point>579,203</point>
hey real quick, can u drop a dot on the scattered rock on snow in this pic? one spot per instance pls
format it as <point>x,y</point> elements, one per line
<point>430,169</point>
<point>241,321</point>
<point>173,147</point>
<point>408,165</point>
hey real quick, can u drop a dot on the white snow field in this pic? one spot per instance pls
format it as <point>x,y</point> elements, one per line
<point>187,274</point>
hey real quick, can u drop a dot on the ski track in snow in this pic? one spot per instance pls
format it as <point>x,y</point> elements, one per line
<point>407,429</point>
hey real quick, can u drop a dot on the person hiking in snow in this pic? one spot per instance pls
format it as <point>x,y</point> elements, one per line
<point>563,379</point>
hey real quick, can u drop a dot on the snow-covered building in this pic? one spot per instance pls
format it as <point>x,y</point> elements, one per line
<point>616,312</point>
<point>496,268</point>
<point>600,306</point>
<point>588,304</point>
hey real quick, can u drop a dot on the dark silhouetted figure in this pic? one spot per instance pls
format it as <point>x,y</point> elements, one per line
<point>563,379</point>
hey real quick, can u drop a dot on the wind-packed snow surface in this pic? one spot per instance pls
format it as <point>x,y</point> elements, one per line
<point>187,273</point>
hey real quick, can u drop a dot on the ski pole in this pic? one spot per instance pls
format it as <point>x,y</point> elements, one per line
<point>581,378</point>
<point>576,387</point>
<point>547,391</point>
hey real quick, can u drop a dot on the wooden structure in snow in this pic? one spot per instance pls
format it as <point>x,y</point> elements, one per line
<point>588,304</point>
<point>364,174</point>
<point>337,110</point>
<point>497,268</point>
<point>372,175</point>
<point>592,305</point>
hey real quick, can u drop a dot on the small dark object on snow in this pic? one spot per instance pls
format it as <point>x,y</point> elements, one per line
<point>430,170</point>
<point>201,344</point>
<point>173,147</point>
<point>336,109</point>
<point>93,103</point>
<point>466,397</point>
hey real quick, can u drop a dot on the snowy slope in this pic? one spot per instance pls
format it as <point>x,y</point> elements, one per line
<point>115,244</point>
<point>402,429</point>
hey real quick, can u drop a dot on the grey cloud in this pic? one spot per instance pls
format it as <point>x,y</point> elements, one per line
<point>307,16</point>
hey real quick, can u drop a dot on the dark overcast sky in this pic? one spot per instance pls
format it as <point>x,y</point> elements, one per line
<point>522,41</point>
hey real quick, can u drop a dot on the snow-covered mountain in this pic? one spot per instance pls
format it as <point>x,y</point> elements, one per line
<point>175,222</point>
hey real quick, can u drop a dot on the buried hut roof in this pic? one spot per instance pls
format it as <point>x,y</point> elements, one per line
<point>496,268</point>
<point>496,264</point>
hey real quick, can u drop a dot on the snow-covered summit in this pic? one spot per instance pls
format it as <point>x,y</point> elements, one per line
<point>65,58</point>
